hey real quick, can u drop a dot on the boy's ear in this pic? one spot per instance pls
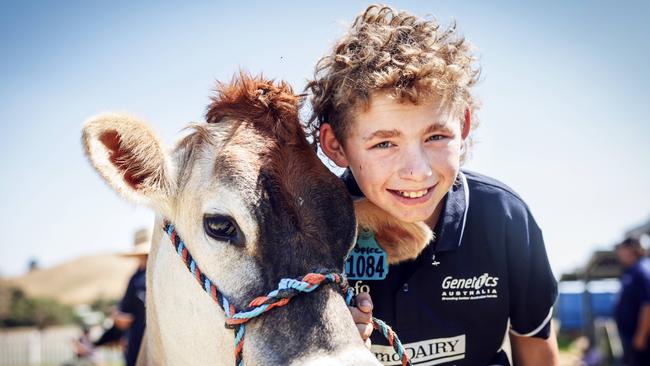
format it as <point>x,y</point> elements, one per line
<point>467,126</point>
<point>331,146</point>
<point>400,240</point>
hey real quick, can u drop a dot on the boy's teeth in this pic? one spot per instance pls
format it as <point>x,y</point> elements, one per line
<point>413,194</point>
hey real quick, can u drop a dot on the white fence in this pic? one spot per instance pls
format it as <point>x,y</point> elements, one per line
<point>48,347</point>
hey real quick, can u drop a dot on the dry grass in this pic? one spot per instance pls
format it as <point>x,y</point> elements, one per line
<point>80,281</point>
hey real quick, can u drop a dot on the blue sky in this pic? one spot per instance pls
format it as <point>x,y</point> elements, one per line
<point>564,88</point>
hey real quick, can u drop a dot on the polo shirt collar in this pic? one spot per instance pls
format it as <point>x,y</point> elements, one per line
<point>451,225</point>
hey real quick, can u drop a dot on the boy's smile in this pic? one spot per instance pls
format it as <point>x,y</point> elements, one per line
<point>404,156</point>
<point>412,197</point>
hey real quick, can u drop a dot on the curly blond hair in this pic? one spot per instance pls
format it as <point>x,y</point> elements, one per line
<point>386,51</point>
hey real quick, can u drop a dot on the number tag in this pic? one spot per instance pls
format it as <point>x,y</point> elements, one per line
<point>367,261</point>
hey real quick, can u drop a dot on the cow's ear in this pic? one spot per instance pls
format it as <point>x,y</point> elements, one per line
<point>127,154</point>
<point>401,240</point>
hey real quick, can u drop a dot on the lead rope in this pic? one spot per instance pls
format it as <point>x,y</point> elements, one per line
<point>287,288</point>
<point>385,329</point>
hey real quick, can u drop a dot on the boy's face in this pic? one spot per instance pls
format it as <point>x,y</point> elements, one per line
<point>405,157</point>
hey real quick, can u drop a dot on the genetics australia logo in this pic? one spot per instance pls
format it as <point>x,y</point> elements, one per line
<point>472,288</point>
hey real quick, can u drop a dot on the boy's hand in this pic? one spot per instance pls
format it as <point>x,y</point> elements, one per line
<point>362,315</point>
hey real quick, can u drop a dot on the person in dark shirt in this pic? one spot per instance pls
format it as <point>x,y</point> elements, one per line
<point>393,104</point>
<point>131,315</point>
<point>633,307</point>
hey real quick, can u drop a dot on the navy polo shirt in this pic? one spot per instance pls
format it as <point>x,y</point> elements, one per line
<point>485,273</point>
<point>133,303</point>
<point>635,292</point>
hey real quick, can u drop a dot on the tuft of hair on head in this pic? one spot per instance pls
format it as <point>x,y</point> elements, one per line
<point>396,53</point>
<point>269,106</point>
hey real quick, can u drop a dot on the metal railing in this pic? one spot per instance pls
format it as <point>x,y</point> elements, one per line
<point>48,347</point>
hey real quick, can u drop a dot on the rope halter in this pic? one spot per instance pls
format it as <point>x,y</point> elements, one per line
<point>287,289</point>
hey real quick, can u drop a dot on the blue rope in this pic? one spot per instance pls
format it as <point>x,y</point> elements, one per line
<point>384,328</point>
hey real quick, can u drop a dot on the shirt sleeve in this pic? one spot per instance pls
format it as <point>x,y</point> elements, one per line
<point>643,284</point>
<point>532,286</point>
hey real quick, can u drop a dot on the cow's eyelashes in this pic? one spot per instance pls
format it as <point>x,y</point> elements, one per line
<point>222,228</point>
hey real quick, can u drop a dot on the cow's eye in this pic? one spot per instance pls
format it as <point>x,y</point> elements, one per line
<point>222,228</point>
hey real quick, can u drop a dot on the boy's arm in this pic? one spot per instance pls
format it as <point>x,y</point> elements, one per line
<point>534,351</point>
<point>533,291</point>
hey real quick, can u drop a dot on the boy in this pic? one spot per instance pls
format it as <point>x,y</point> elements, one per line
<point>392,104</point>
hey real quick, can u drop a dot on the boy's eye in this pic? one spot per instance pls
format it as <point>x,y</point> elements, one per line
<point>383,145</point>
<point>435,137</point>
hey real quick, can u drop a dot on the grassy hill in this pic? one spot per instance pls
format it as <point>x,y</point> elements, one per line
<point>80,281</point>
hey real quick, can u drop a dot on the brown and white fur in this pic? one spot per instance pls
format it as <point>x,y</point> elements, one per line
<point>400,240</point>
<point>250,162</point>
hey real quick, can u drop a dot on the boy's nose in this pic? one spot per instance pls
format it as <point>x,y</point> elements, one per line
<point>416,166</point>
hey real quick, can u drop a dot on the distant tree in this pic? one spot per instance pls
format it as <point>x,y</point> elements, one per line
<point>20,309</point>
<point>32,265</point>
<point>39,312</point>
<point>5,301</point>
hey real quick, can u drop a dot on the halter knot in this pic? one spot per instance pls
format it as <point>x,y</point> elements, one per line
<point>287,289</point>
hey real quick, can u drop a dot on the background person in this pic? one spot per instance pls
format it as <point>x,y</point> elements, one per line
<point>633,307</point>
<point>130,316</point>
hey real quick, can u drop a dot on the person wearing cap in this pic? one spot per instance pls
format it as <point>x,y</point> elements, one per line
<point>131,315</point>
<point>633,308</point>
